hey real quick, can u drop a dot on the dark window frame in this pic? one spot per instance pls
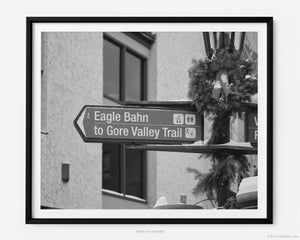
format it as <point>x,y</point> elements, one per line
<point>143,84</point>
<point>143,96</point>
<point>144,38</point>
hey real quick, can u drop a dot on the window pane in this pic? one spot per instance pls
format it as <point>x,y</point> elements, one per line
<point>111,167</point>
<point>133,67</point>
<point>111,68</point>
<point>134,173</point>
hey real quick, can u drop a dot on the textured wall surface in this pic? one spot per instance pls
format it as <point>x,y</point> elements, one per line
<point>72,68</point>
<point>173,178</point>
<point>175,52</point>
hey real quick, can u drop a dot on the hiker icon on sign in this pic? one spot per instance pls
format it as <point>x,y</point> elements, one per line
<point>178,119</point>
<point>190,119</point>
<point>190,132</point>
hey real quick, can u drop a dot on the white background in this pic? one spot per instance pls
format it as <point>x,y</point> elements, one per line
<point>286,119</point>
<point>126,213</point>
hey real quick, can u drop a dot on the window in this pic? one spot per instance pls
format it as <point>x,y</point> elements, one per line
<point>111,68</point>
<point>124,72</point>
<point>111,167</point>
<point>123,171</point>
<point>133,77</point>
<point>134,173</point>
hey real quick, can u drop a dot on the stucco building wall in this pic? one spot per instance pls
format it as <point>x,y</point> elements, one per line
<point>175,52</point>
<point>72,71</point>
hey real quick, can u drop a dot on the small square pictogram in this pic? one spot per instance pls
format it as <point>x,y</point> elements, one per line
<point>190,119</point>
<point>178,119</point>
<point>190,132</point>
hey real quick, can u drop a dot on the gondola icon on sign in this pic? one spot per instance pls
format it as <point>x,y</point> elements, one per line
<point>190,132</point>
<point>178,119</point>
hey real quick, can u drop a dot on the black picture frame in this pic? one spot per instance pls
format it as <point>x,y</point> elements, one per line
<point>29,219</point>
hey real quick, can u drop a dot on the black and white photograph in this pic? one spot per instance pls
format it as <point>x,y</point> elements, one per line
<point>149,120</point>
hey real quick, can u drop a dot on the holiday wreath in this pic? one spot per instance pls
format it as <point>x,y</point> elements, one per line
<point>221,85</point>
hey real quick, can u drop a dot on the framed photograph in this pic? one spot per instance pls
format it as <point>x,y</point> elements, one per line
<point>149,120</point>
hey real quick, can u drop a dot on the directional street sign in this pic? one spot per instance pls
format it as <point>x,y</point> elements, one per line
<point>136,124</point>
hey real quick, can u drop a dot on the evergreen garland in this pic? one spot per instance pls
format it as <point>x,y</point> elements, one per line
<point>242,85</point>
<point>202,80</point>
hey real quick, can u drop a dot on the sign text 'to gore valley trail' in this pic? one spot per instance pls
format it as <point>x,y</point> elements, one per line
<point>127,124</point>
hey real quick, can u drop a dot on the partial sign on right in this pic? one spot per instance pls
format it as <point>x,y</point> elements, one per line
<point>253,128</point>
